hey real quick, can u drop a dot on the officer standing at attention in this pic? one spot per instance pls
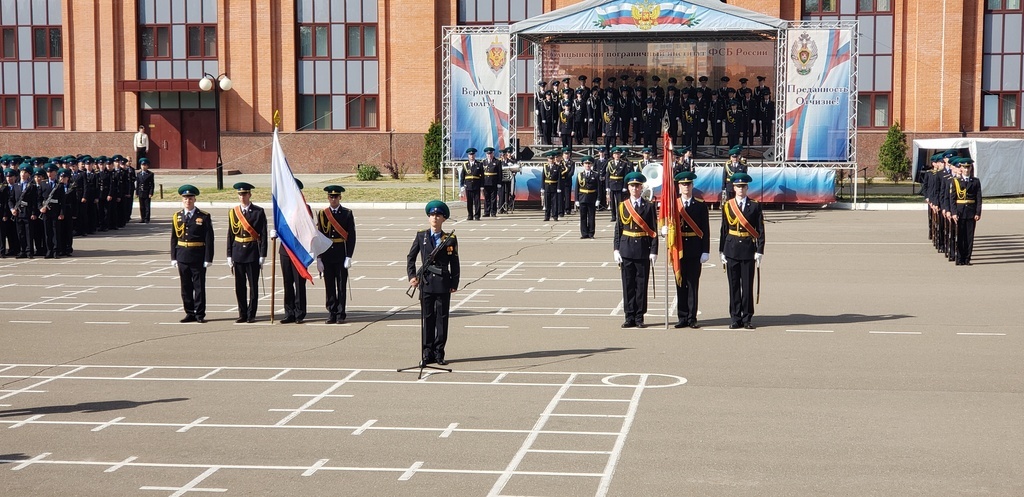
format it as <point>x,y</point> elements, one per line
<point>587,192</point>
<point>294,283</point>
<point>568,170</point>
<point>967,191</point>
<point>616,171</point>
<point>145,186</point>
<point>192,253</point>
<point>65,220</point>
<point>636,249</point>
<point>734,165</point>
<point>247,249</point>
<point>339,224</point>
<point>440,279</point>
<point>741,246</point>
<point>492,178</point>
<point>23,205</point>
<point>696,233</point>
<point>470,180</point>
<point>552,174</point>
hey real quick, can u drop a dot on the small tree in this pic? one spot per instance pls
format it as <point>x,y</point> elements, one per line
<point>432,150</point>
<point>892,158</point>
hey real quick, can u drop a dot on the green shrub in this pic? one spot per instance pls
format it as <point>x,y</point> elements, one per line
<point>893,161</point>
<point>367,172</point>
<point>432,151</point>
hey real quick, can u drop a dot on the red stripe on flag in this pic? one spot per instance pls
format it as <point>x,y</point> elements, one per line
<point>670,211</point>
<point>298,265</point>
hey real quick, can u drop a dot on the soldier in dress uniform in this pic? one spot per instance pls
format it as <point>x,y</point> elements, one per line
<point>8,232</point>
<point>68,211</point>
<point>610,120</point>
<point>948,204</point>
<point>693,122</point>
<point>587,194</point>
<point>967,213</point>
<point>566,122</point>
<point>552,176</point>
<point>339,224</point>
<point>579,115</point>
<point>616,171</point>
<point>625,111</point>
<point>509,169</point>
<point>645,159</point>
<point>690,91</point>
<point>635,249</point>
<point>674,111</point>
<point>733,123</point>
<point>23,206</point>
<point>51,203</point>
<point>695,229</point>
<point>725,89</point>
<point>601,168</point>
<point>128,186</point>
<point>658,94</point>
<point>715,116</point>
<point>565,182</point>
<point>294,282</point>
<point>741,246</point>
<point>750,112</point>
<point>471,179</point>
<point>766,114</point>
<point>761,89</point>
<point>247,249</point>
<point>38,226</point>
<point>145,186</point>
<point>491,180</point>
<point>91,198</point>
<point>735,164</point>
<point>683,161</point>
<point>744,90</point>
<point>650,124</point>
<point>546,108</point>
<point>592,116</point>
<point>440,279</point>
<point>191,253</point>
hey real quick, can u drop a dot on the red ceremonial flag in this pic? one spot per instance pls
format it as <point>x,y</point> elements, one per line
<point>669,216</point>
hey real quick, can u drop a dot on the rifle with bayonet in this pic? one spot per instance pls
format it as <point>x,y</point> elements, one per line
<point>428,265</point>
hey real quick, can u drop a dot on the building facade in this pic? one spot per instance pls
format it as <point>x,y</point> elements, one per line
<point>358,81</point>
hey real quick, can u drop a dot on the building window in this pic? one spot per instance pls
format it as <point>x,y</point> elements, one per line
<point>314,41</point>
<point>8,112</point>
<point>869,6</point>
<point>361,40</point>
<point>314,112</point>
<point>46,43</point>
<point>50,112</point>
<point>156,42</point>
<point>873,110</point>
<point>1003,5</point>
<point>820,6</point>
<point>9,38</point>
<point>1000,110</point>
<point>362,112</point>
<point>202,42</point>
<point>525,103</point>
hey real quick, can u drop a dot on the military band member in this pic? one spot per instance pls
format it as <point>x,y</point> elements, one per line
<point>693,123</point>
<point>694,225</point>
<point>635,249</point>
<point>716,109</point>
<point>735,164</point>
<point>565,182</point>
<point>587,194</point>
<point>592,116</point>
<point>650,123</point>
<point>674,108</point>
<point>601,167</point>
<point>617,170</point>
<point>491,180</point>
<point>741,245</point>
<point>247,249</point>
<point>610,121</point>
<point>552,176</point>
<point>145,188</point>
<point>750,110</point>
<point>548,112</point>
<point>439,279</point>
<point>38,226</point>
<point>967,191</point>
<point>509,169</point>
<point>683,161</point>
<point>471,179</point>
<point>339,224</point>
<point>191,253</point>
<point>66,219</point>
<point>766,114</point>
<point>566,120</point>
<point>733,124</point>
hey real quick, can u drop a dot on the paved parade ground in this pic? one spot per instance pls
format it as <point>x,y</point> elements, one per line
<point>877,368</point>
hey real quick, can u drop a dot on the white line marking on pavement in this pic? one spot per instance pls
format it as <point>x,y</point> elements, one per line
<point>108,424</point>
<point>119,465</point>
<point>29,462</point>
<point>412,470</point>
<point>29,388</point>
<point>31,322</point>
<point>364,427</point>
<point>983,334</point>
<point>448,431</point>
<point>193,424</point>
<point>509,270</point>
<point>191,486</point>
<point>317,465</point>
<point>25,421</point>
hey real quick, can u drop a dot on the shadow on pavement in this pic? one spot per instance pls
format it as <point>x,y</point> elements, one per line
<point>110,405</point>
<point>540,354</point>
<point>807,319</point>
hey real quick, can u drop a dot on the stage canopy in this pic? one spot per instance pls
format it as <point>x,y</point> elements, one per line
<point>624,19</point>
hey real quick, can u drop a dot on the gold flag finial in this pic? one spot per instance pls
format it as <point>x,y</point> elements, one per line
<point>277,119</point>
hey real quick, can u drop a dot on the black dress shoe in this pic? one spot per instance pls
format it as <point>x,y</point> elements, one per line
<point>749,326</point>
<point>250,320</point>
<point>734,326</point>
<point>628,324</point>
<point>288,320</point>
<point>640,324</point>
<point>693,324</point>
<point>331,321</point>
<point>240,320</point>
<point>442,362</point>
<point>188,319</point>
<point>200,320</point>
<point>299,321</point>
<point>680,324</point>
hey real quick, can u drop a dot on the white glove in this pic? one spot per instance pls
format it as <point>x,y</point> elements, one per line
<point>597,203</point>
<point>654,258</point>
<point>207,264</point>
<point>273,234</point>
<point>230,262</point>
<point>261,261</point>
<point>617,257</point>
<point>757,259</point>
<point>664,231</point>
<point>319,264</point>
<point>723,258</point>
<point>348,262</point>
<point>704,257</point>
<point>577,204</point>
<point>174,263</point>
<point>558,191</point>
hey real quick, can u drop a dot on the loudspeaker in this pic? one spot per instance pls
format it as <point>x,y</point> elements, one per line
<point>525,154</point>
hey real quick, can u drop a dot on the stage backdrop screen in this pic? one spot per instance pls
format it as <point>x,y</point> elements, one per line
<point>818,87</point>
<point>480,92</point>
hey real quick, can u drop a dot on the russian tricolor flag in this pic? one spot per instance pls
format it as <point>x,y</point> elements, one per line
<point>292,217</point>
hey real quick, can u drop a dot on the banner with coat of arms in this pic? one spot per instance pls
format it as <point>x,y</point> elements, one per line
<point>819,85</point>
<point>480,90</point>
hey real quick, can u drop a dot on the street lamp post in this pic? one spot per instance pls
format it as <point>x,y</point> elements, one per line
<point>223,83</point>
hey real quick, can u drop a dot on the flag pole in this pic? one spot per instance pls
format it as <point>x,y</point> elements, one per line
<point>273,277</point>
<point>666,177</point>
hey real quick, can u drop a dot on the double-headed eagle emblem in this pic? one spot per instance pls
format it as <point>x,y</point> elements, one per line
<point>803,54</point>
